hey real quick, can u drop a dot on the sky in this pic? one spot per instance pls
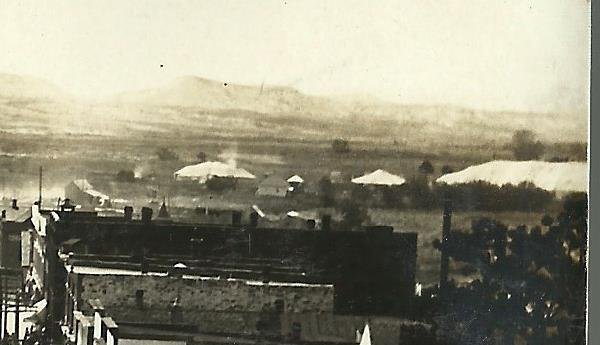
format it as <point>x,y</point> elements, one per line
<point>496,55</point>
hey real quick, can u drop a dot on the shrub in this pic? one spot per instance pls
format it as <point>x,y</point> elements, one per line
<point>340,146</point>
<point>126,176</point>
<point>525,146</point>
<point>166,154</point>
<point>326,192</point>
<point>220,183</point>
<point>483,196</point>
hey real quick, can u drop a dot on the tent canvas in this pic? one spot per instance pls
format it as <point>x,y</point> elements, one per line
<point>550,176</point>
<point>365,339</point>
<point>380,177</point>
<point>295,179</point>
<point>206,170</point>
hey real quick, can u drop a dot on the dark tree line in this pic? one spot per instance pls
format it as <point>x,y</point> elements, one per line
<point>532,281</point>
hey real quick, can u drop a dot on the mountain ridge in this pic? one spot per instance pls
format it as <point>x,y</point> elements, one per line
<point>223,106</point>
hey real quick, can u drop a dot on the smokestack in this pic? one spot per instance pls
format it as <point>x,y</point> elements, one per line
<point>146,215</point>
<point>326,222</point>
<point>446,227</point>
<point>14,204</point>
<point>128,213</point>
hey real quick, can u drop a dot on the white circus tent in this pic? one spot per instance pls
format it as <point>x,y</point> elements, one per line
<point>379,177</point>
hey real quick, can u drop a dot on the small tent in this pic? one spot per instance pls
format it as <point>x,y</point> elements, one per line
<point>365,339</point>
<point>295,179</point>
<point>204,171</point>
<point>379,177</point>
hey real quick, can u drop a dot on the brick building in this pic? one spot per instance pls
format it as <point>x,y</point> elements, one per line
<point>237,279</point>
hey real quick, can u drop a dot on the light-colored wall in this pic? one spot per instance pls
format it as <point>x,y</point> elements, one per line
<point>204,295</point>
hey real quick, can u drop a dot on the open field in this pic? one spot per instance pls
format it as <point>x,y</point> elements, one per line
<point>99,159</point>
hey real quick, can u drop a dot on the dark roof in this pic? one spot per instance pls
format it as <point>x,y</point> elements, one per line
<point>274,181</point>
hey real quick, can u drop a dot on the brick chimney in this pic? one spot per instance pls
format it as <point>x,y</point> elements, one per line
<point>146,215</point>
<point>128,213</point>
<point>326,222</point>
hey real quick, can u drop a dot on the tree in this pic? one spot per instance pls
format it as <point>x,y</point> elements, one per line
<point>166,154</point>
<point>126,176</point>
<point>340,146</point>
<point>218,184</point>
<point>326,192</point>
<point>201,157</point>
<point>525,146</point>
<point>447,169</point>
<point>530,280</point>
<point>353,215</point>
<point>426,168</point>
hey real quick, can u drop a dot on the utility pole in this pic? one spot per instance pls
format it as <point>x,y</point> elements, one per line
<point>5,321</point>
<point>446,227</point>
<point>2,306</point>
<point>17,306</point>
<point>40,191</point>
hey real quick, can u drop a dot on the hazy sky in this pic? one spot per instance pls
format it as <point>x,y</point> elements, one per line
<point>518,55</point>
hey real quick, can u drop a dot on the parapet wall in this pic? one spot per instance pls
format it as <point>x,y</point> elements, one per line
<point>194,294</point>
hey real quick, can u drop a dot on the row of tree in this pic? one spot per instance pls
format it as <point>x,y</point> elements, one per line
<point>532,283</point>
<point>416,193</point>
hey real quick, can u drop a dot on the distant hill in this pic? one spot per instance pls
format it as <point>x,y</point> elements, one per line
<point>191,105</point>
<point>190,91</point>
<point>22,87</point>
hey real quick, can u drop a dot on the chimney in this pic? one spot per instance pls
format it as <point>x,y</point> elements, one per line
<point>14,204</point>
<point>67,205</point>
<point>236,218</point>
<point>146,215</point>
<point>253,219</point>
<point>128,213</point>
<point>3,214</point>
<point>326,222</point>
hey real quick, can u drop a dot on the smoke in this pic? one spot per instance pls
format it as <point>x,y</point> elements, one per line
<point>138,172</point>
<point>230,156</point>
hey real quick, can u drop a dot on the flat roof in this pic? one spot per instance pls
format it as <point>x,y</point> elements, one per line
<point>87,270</point>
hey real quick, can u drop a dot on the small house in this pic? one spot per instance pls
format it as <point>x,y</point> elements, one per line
<point>295,183</point>
<point>81,192</point>
<point>273,186</point>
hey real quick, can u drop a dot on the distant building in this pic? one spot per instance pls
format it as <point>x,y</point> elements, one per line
<point>295,183</point>
<point>224,280</point>
<point>273,186</point>
<point>338,177</point>
<point>81,192</point>
<point>13,221</point>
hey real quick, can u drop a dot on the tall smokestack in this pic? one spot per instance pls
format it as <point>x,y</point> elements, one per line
<point>446,227</point>
<point>40,191</point>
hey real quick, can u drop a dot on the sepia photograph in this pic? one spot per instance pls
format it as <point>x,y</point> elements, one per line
<point>294,172</point>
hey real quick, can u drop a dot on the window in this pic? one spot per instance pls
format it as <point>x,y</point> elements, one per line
<point>139,298</point>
